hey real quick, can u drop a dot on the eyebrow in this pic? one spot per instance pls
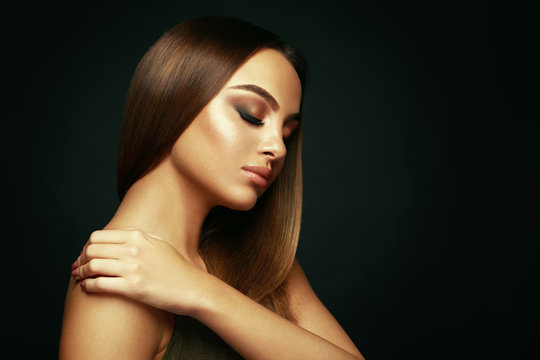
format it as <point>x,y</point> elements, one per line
<point>259,91</point>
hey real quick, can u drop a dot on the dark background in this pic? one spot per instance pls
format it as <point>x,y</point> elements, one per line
<point>420,227</point>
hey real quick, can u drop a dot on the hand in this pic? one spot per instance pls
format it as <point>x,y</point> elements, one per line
<point>143,267</point>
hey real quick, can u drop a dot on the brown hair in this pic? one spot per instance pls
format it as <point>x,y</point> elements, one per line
<point>252,251</point>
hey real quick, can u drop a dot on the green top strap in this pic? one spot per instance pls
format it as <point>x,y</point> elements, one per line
<point>192,340</point>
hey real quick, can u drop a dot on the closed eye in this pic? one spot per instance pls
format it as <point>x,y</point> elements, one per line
<point>289,128</point>
<point>250,118</point>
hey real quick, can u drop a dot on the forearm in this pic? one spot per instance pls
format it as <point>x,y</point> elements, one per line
<point>160,277</point>
<point>256,332</point>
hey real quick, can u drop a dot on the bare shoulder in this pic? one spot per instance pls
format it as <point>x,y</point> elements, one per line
<point>102,326</point>
<point>311,314</point>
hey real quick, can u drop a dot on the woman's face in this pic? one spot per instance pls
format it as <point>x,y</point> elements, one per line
<point>234,149</point>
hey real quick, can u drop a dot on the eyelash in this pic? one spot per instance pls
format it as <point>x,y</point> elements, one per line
<point>250,118</point>
<point>253,120</point>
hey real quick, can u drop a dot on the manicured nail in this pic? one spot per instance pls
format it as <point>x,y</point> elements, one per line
<point>74,265</point>
<point>75,272</point>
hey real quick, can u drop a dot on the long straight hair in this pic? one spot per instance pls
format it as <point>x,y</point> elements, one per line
<point>253,250</point>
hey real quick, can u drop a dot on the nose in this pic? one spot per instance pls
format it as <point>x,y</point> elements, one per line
<point>273,146</point>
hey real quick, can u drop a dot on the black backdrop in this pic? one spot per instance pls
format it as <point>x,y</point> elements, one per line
<point>420,135</point>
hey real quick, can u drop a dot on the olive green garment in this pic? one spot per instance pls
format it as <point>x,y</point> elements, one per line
<point>192,340</point>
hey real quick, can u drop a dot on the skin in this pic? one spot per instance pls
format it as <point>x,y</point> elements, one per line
<point>144,267</point>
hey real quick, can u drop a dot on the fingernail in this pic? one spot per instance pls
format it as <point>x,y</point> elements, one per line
<point>74,265</point>
<point>82,285</point>
<point>75,272</point>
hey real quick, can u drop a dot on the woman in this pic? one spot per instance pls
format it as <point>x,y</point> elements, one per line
<point>198,261</point>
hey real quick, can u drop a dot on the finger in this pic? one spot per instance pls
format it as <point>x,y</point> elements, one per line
<point>103,251</point>
<point>102,237</point>
<point>111,285</point>
<point>110,236</point>
<point>99,267</point>
<point>82,259</point>
<point>106,251</point>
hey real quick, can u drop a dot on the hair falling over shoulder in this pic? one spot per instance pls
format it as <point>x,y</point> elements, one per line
<point>253,250</point>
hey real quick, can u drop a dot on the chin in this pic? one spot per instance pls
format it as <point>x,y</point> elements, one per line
<point>242,202</point>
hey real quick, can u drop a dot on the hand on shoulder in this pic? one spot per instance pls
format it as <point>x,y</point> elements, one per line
<point>103,323</point>
<point>142,267</point>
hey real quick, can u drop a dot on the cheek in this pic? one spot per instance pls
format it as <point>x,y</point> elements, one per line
<point>215,143</point>
<point>223,134</point>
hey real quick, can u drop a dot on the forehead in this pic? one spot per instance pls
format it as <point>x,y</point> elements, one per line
<point>270,70</point>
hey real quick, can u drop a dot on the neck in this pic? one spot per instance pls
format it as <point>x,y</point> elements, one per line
<point>164,203</point>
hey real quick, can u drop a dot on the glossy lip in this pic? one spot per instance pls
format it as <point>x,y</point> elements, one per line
<point>259,175</point>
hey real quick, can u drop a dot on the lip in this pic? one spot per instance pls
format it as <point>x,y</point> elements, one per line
<point>259,175</point>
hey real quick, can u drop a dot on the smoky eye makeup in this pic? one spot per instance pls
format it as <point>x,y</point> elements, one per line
<point>289,132</point>
<point>246,115</point>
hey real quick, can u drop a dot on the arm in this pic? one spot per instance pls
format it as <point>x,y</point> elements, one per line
<point>312,315</point>
<point>252,329</point>
<point>151,271</point>
<point>107,326</point>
